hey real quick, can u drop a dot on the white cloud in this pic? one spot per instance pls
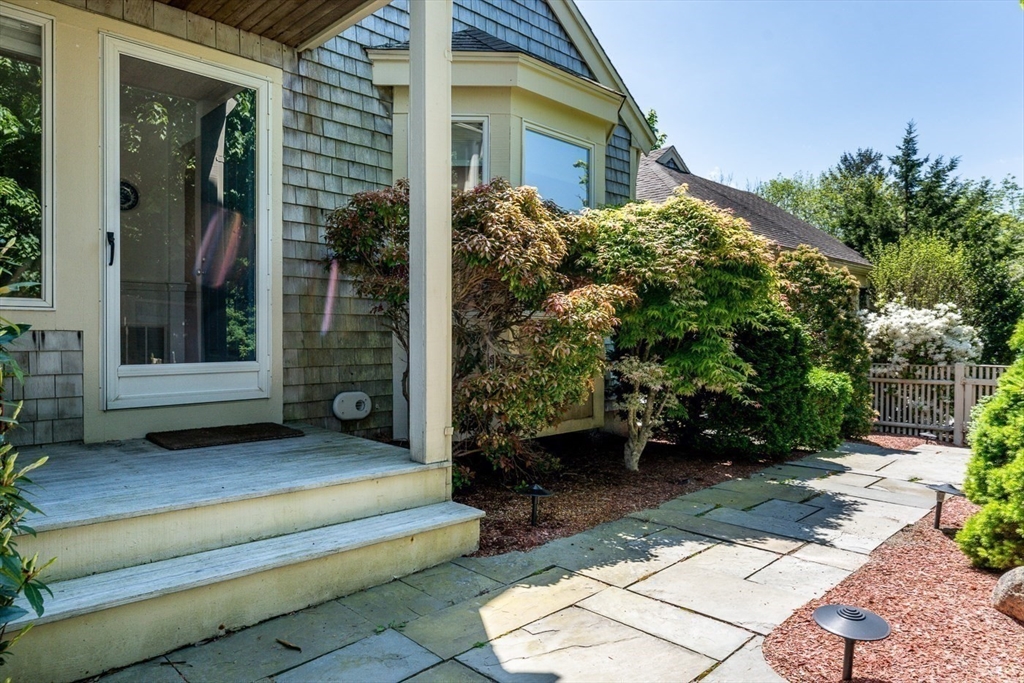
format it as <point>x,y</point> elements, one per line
<point>719,176</point>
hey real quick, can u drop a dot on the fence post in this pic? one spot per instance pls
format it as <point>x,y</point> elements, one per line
<point>959,404</point>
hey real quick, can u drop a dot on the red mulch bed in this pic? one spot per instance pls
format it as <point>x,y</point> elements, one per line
<point>592,487</point>
<point>897,443</point>
<point>943,625</point>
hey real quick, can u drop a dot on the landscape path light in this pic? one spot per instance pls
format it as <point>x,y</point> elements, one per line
<point>941,491</point>
<point>851,624</point>
<point>536,492</point>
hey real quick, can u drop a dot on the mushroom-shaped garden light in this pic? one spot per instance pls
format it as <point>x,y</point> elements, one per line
<point>536,492</point>
<point>941,491</point>
<point>851,624</point>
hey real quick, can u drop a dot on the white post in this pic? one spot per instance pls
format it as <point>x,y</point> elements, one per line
<point>430,231</point>
<point>959,404</point>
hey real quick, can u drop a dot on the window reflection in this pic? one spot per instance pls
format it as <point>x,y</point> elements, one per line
<point>21,154</point>
<point>467,154</point>
<point>558,169</point>
<point>188,247</point>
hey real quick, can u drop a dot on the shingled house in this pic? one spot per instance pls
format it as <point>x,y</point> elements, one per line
<point>663,170</point>
<point>530,85</point>
<point>185,157</point>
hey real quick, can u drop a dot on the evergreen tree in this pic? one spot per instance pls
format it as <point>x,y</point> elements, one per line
<point>865,204</point>
<point>906,170</point>
<point>863,162</point>
<point>871,207</point>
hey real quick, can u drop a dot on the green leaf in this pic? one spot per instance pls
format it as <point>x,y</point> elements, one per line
<point>10,613</point>
<point>35,598</point>
<point>9,333</point>
<point>11,564</point>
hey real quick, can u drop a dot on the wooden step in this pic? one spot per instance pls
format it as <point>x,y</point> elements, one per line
<point>109,506</point>
<point>126,615</point>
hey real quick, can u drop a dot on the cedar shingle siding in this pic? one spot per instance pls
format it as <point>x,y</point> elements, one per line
<point>616,169</point>
<point>528,24</point>
<point>337,143</point>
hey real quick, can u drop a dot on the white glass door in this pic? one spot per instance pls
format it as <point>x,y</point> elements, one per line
<point>185,263</point>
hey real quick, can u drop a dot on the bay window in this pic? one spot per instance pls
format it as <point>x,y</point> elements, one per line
<point>469,152</point>
<point>558,168</point>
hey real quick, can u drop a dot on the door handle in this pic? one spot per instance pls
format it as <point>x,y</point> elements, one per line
<point>110,243</point>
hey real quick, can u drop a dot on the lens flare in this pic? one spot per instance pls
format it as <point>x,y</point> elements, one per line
<point>332,289</point>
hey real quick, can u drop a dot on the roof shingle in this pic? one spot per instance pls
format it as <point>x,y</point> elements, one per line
<point>656,182</point>
<point>467,40</point>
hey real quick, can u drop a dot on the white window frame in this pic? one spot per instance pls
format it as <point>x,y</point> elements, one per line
<point>486,149</point>
<point>564,137</point>
<point>138,386</point>
<point>46,301</point>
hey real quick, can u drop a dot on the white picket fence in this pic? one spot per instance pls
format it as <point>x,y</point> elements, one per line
<point>931,398</point>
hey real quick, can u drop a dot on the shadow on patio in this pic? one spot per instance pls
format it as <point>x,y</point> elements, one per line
<point>663,594</point>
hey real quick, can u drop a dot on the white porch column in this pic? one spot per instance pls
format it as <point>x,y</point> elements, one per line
<point>430,228</point>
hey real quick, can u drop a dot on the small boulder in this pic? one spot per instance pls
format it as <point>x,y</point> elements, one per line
<point>1008,597</point>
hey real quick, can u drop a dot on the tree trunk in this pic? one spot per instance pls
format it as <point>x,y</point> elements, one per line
<point>634,448</point>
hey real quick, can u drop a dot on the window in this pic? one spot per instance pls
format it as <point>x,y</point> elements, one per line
<point>559,169</point>
<point>188,234</point>
<point>469,153</point>
<point>25,133</point>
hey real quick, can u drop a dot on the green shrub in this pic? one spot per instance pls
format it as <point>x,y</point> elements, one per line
<point>825,408</point>
<point>921,271</point>
<point>18,574</point>
<point>768,419</point>
<point>824,298</point>
<point>527,338</point>
<point>786,404</point>
<point>698,272</point>
<point>994,537</point>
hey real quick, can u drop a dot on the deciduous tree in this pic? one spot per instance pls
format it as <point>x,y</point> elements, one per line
<point>698,272</point>
<point>528,335</point>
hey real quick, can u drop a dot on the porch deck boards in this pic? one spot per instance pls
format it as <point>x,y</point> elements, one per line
<point>91,483</point>
<point>89,594</point>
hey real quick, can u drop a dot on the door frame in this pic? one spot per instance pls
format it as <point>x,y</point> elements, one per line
<point>137,386</point>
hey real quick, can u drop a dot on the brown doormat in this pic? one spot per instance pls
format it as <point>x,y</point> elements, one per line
<point>220,436</point>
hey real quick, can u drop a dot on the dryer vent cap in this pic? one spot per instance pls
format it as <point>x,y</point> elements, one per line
<point>352,405</point>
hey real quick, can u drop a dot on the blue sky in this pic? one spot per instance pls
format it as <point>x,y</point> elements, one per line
<point>753,89</point>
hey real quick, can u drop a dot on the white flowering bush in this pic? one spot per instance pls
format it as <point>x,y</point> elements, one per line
<point>900,336</point>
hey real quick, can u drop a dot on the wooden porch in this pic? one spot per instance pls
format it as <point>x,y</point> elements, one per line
<point>161,548</point>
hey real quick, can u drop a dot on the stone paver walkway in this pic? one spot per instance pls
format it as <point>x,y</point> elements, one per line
<point>686,590</point>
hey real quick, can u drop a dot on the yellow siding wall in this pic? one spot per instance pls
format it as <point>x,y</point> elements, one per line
<point>78,230</point>
<point>508,110</point>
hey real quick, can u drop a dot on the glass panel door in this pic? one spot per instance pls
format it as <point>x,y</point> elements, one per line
<point>187,230</point>
<point>187,234</point>
<point>25,131</point>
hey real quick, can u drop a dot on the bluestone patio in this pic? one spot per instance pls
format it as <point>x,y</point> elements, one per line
<point>686,590</point>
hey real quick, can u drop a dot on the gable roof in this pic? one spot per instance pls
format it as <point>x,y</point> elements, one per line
<point>657,180</point>
<point>582,36</point>
<point>668,156</point>
<point>567,16</point>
